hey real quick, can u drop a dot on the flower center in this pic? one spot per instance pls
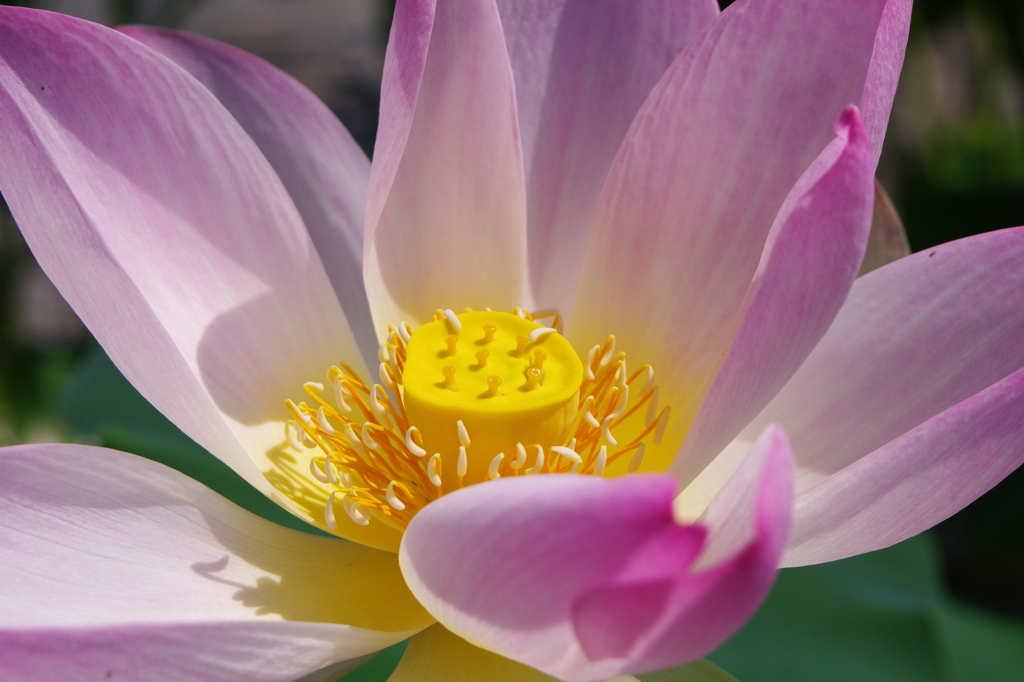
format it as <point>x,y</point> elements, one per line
<point>468,398</point>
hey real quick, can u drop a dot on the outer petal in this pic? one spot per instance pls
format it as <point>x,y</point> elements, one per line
<point>168,232</point>
<point>925,352</point>
<point>703,173</point>
<point>812,256</point>
<point>588,578</point>
<point>582,70</point>
<point>446,222</point>
<point>321,166</point>
<point>437,655</point>
<point>118,567</point>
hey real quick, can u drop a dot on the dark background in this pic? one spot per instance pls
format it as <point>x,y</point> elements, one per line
<point>948,605</point>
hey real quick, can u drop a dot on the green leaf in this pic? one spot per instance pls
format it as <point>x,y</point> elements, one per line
<point>702,670</point>
<point>380,667</point>
<point>978,646</point>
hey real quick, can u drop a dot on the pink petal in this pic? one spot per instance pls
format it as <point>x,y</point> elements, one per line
<point>811,258</point>
<point>588,578</point>
<point>115,563</point>
<point>915,481</point>
<point>321,166</point>
<point>921,349</point>
<point>582,70</point>
<point>446,217</point>
<point>168,232</point>
<point>703,173</point>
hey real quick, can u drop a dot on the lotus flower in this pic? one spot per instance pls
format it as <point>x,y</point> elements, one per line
<point>510,495</point>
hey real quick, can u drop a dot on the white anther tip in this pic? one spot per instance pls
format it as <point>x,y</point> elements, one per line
<point>354,511</point>
<point>321,419</point>
<point>432,466</point>
<point>393,500</point>
<point>543,331</point>
<point>659,431</point>
<point>317,474</point>
<point>463,463</point>
<point>520,459</point>
<point>568,453</point>
<point>606,431</point>
<point>539,463</point>
<point>463,434</point>
<point>329,512</point>
<point>410,443</point>
<point>492,468</point>
<point>404,331</point>
<point>453,320</point>
<point>315,385</point>
<point>602,460</point>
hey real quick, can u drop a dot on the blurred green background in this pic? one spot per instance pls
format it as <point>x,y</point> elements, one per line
<point>948,605</point>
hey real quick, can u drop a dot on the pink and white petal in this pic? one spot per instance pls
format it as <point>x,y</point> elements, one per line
<point>588,578</point>
<point>888,240</point>
<point>703,172</point>
<point>115,563</point>
<point>437,655</point>
<point>166,229</point>
<point>582,70</point>
<point>446,216</point>
<point>812,255</point>
<point>321,166</point>
<point>913,339</point>
<point>914,481</point>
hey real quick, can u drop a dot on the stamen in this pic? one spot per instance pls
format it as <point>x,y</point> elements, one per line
<point>462,465</point>
<point>649,384</point>
<point>539,463</point>
<point>382,352</point>
<point>353,439</point>
<point>463,433</point>
<point>620,406</point>
<point>489,331</point>
<point>588,369</point>
<point>376,402</point>
<point>492,468</point>
<point>533,375</point>
<point>569,454</point>
<point>543,331</point>
<point>329,512</point>
<point>606,431</point>
<point>588,416</point>
<point>634,463</point>
<point>609,349</point>
<point>602,460</point>
<point>339,395</point>
<point>481,359</point>
<point>369,442</point>
<point>413,444</point>
<point>520,459</point>
<point>329,470</point>
<point>321,419</point>
<point>354,511</point>
<point>453,320</point>
<point>493,384</point>
<point>290,430</point>
<point>314,385</point>
<point>404,331</point>
<point>317,474</point>
<point>385,376</point>
<point>434,469</point>
<point>449,378</point>
<point>392,499</point>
